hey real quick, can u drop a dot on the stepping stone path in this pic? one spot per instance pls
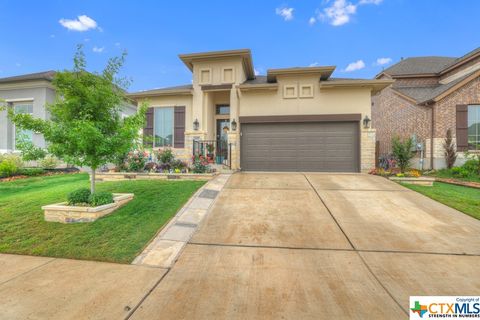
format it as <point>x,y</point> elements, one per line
<point>165,248</point>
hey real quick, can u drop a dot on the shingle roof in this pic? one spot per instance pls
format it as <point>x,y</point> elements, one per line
<point>46,75</point>
<point>427,93</point>
<point>257,80</point>
<point>420,65</point>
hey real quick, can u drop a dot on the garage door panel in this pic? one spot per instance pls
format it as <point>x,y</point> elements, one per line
<point>321,146</point>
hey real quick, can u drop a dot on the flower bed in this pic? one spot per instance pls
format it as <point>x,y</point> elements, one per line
<point>64,213</point>
<point>117,176</point>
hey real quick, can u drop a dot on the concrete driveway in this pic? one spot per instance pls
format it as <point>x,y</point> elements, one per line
<point>273,246</point>
<point>318,246</point>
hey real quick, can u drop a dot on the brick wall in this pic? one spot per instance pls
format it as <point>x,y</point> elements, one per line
<point>445,109</point>
<point>393,115</point>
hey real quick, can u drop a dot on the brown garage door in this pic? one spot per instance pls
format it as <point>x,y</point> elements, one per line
<point>317,146</point>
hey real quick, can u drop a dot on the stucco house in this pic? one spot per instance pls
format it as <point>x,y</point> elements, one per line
<point>292,119</point>
<point>29,93</point>
<point>429,96</point>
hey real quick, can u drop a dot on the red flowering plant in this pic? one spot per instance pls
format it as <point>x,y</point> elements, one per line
<point>200,164</point>
<point>136,160</point>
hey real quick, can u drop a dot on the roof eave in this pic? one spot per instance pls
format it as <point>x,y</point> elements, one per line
<point>263,86</point>
<point>325,72</point>
<point>374,85</point>
<point>136,95</point>
<point>246,55</point>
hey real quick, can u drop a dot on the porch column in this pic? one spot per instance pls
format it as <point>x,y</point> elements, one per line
<point>198,102</point>
<point>234,136</point>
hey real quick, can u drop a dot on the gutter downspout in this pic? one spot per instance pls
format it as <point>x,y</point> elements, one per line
<point>432,134</point>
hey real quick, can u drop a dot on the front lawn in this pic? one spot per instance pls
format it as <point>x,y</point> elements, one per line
<point>118,237</point>
<point>464,199</point>
<point>449,174</point>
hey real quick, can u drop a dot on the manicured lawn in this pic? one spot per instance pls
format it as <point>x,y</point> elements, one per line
<point>447,174</point>
<point>461,198</point>
<point>118,237</point>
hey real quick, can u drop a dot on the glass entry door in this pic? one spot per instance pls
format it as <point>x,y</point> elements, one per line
<point>223,127</point>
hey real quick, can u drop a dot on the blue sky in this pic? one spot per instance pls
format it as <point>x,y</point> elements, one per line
<point>353,35</point>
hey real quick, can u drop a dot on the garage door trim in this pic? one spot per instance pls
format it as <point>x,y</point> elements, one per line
<point>302,118</point>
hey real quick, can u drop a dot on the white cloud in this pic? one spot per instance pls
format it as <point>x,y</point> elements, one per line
<point>82,23</point>
<point>341,11</point>
<point>256,71</point>
<point>285,13</point>
<point>314,64</point>
<point>377,2</point>
<point>98,49</point>
<point>354,66</point>
<point>312,21</point>
<point>383,61</point>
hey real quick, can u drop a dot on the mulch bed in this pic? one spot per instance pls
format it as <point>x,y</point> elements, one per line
<point>459,182</point>
<point>48,172</point>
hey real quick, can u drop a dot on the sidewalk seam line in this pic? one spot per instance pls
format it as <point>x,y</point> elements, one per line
<point>28,271</point>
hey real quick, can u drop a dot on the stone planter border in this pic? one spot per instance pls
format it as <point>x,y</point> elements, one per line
<point>116,176</point>
<point>421,181</point>
<point>61,212</point>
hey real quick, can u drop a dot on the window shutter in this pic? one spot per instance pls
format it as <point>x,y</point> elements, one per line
<point>148,129</point>
<point>179,128</point>
<point>462,127</point>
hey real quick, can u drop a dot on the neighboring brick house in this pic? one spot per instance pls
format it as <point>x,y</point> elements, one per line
<point>430,95</point>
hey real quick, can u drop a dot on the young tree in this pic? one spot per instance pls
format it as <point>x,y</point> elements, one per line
<point>450,150</point>
<point>402,152</point>
<point>85,127</point>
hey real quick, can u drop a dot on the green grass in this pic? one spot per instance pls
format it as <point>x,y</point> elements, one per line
<point>118,237</point>
<point>464,199</point>
<point>445,173</point>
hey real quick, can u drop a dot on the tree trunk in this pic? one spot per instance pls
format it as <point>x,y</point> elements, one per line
<point>92,181</point>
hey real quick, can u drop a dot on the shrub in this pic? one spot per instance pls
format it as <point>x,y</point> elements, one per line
<point>413,173</point>
<point>150,166</point>
<point>49,162</point>
<point>31,172</point>
<point>79,196</point>
<point>136,160</point>
<point>100,198</point>
<point>402,151</point>
<point>450,150</point>
<point>15,158</point>
<point>472,166</point>
<point>166,155</point>
<point>8,168</point>
<point>199,164</point>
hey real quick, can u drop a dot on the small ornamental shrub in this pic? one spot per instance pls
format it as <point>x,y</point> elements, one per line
<point>165,156</point>
<point>471,166</point>
<point>100,198</point>
<point>450,151</point>
<point>136,160</point>
<point>8,168</point>
<point>79,196</point>
<point>402,152</point>
<point>49,162</point>
<point>15,158</point>
<point>200,165</point>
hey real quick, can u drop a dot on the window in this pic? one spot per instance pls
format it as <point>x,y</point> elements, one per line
<point>163,127</point>
<point>20,109</point>
<point>222,109</point>
<point>474,127</point>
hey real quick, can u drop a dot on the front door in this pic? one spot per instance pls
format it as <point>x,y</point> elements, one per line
<point>223,127</point>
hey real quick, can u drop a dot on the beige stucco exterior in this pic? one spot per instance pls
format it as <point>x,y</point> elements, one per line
<point>227,78</point>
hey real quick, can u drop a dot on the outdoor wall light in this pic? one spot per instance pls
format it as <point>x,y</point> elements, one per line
<point>196,125</point>
<point>234,125</point>
<point>366,122</point>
